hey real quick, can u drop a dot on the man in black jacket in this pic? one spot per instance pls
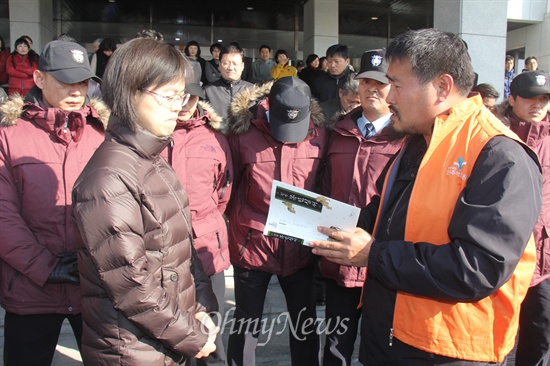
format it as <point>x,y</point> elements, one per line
<point>447,242</point>
<point>220,93</point>
<point>326,85</point>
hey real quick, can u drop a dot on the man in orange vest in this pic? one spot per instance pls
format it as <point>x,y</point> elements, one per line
<point>447,243</point>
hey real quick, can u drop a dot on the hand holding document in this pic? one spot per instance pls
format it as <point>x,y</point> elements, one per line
<point>295,213</point>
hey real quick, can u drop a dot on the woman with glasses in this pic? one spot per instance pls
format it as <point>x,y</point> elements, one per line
<point>145,295</point>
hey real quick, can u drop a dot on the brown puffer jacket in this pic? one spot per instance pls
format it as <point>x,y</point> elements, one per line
<point>135,261</point>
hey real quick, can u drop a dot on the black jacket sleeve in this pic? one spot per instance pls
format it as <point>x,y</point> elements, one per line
<point>491,224</point>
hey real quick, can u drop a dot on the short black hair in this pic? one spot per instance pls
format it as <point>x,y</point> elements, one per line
<point>192,43</point>
<point>265,46</point>
<point>233,47</point>
<point>433,52</point>
<point>216,45</point>
<point>338,50</point>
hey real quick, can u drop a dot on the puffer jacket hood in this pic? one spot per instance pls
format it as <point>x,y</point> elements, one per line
<point>205,114</point>
<point>244,107</point>
<point>15,107</point>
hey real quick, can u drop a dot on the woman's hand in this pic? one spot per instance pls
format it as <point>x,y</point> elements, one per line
<point>209,327</point>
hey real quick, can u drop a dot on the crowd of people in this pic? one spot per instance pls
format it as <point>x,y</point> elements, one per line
<point>150,172</point>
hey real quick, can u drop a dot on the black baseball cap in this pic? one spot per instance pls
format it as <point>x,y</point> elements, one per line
<point>289,109</point>
<point>530,84</point>
<point>67,62</point>
<point>193,87</point>
<point>374,66</point>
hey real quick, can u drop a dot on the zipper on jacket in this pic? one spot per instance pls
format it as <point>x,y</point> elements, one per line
<point>15,275</point>
<point>391,337</point>
<point>219,245</point>
<point>66,124</point>
<point>227,183</point>
<point>248,237</point>
<point>388,223</point>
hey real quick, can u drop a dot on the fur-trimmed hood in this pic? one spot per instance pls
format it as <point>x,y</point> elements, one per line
<point>15,106</point>
<point>205,114</point>
<point>244,107</point>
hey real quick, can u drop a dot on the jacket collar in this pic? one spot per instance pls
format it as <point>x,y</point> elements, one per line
<point>143,142</point>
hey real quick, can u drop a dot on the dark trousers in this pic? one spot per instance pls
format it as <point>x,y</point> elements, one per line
<point>250,291</point>
<point>30,340</point>
<point>342,322</point>
<point>218,356</point>
<point>404,355</point>
<point>534,327</point>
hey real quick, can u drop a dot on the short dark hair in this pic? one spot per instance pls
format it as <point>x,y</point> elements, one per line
<point>486,90</point>
<point>280,52</point>
<point>139,63</point>
<point>265,46</point>
<point>530,58</point>
<point>312,57</point>
<point>338,50</point>
<point>108,44</point>
<point>192,43</point>
<point>233,47</point>
<point>433,52</point>
<point>150,33</point>
<point>509,58</point>
<point>216,45</point>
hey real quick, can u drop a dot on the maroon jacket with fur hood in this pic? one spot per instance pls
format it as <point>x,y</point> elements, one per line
<point>201,157</point>
<point>537,137</point>
<point>42,152</point>
<point>258,160</point>
<point>353,164</point>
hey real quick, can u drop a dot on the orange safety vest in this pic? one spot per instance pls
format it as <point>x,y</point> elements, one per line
<point>485,330</point>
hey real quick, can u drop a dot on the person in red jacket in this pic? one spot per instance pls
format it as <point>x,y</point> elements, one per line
<point>277,133</point>
<point>20,67</point>
<point>525,110</point>
<point>45,141</point>
<point>201,158</point>
<point>356,155</point>
<point>4,55</point>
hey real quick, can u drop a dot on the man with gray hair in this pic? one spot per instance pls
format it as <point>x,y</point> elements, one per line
<point>348,99</point>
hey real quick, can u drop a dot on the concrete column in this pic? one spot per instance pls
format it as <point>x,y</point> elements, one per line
<point>320,26</point>
<point>483,27</point>
<point>33,18</point>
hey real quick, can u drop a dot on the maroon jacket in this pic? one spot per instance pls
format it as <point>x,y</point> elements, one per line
<point>258,160</point>
<point>353,165</point>
<point>21,75</point>
<point>201,157</point>
<point>40,159</point>
<point>4,55</point>
<point>537,137</point>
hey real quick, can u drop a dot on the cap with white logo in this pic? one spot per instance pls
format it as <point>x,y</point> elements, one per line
<point>530,84</point>
<point>374,66</point>
<point>67,62</point>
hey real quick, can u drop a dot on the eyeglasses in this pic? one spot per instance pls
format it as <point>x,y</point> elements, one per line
<point>169,101</point>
